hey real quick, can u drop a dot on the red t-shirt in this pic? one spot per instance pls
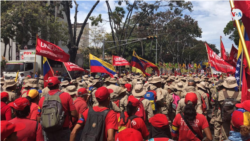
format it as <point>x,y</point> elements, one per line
<point>138,124</point>
<point>110,121</point>
<point>185,134</point>
<point>31,132</point>
<point>67,104</point>
<point>5,111</point>
<point>80,105</point>
<point>160,139</point>
<point>33,111</point>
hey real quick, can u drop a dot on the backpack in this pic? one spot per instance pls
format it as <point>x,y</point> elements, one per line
<point>124,122</point>
<point>52,114</point>
<point>175,102</point>
<point>141,111</point>
<point>203,105</point>
<point>94,128</point>
<point>150,95</point>
<point>228,106</point>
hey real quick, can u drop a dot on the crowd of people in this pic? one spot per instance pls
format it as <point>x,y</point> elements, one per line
<point>129,107</point>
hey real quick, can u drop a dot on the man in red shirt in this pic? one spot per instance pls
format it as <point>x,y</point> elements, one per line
<point>160,128</point>
<point>132,120</point>
<point>102,95</point>
<point>5,109</point>
<point>32,130</point>
<point>68,108</point>
<point>8,130</point>
<point>82,98</point>
<point>33,97</point>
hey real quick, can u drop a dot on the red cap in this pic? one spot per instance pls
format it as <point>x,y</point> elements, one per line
<point>82,91</point>
<point>159,120</point>
<point>135,102</point>
<point>7,128</point>
<point>128,86</point>
<point>240,117</point>
<point>56,71</point>
<point>102,93</point>
<point>52,81</point>
<point>4,94</point>
<point>28,76</point>
<point>245,105</point>
<point>20,103</point>
<point>191,97</point>
<point>129,134</point>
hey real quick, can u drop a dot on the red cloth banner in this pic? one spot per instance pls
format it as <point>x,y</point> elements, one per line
<point>223,51</point>
<point>119,61</point>
<point>73,67</point>
<point>51,51</point>
<point>218,63</point>
<point>233,56</point>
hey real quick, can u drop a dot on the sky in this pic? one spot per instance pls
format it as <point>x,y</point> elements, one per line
<point>212,17</point>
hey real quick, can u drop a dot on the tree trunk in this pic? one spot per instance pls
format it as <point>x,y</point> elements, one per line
<point>112,29</point>
<point>10,54</point>
<point>4,52</point>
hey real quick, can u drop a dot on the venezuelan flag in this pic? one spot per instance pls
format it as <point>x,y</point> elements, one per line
<point>47,71</point>
<point>149,64</point>
<point>135,62</point>
<point>98,65</point>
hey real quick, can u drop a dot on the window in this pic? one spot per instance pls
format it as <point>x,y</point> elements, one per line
<point>28,66</point>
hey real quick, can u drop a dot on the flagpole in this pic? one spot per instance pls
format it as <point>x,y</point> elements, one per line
<point>67,71</point>
<point>50,66</point>
<point>35,59</point>
<point>241,70</point>
<point>241,36</point>
<point>210,64</point>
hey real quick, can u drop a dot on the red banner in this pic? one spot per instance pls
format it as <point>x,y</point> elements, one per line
<point>119,61</point>
<point>233,56</point>
<point>73,67</point>
<point>51,51</point>
<point>223,51</point>
<point>218,63</point>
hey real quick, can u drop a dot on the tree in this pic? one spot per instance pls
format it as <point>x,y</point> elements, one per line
<point>22,20</point>
<point>73,41</point>
<point>232,31</point>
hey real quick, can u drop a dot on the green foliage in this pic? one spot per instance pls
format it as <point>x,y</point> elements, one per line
<point>232,31</point>
<point>25,19</point>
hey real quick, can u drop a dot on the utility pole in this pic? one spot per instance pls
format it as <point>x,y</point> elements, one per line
<point>103,49</point>
<point>156,49</point>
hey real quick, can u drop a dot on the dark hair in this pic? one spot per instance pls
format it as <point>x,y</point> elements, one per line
<point>24,113</point>
<point>53,87</point>
<point>189,112</point>
<point>4,99</point>
<point>131,110</point>
<point>32,99</point>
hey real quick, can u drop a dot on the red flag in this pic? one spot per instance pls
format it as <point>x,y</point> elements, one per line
<point>218,63</point>
<point>233,56</point>
<point>119,61</point>
<point>73,67</point>
<point>50,51</point>
<point>223,51</point>
<point>244,6</point>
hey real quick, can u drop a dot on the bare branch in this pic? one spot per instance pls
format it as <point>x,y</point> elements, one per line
<point>75,23</point>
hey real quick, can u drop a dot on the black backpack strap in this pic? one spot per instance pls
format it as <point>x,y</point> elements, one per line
<point>225,94</point>
<point>132,117</point>
<point>36,126</point>
<point>235,95</point>
<point>190,127</point>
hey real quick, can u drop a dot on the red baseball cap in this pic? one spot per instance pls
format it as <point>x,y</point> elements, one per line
<point>191,97</point>
<point>52,81</point>
<point>159,121</point>
<point>129,134</point>
<point>20,103</point>
<point>4,94</point>
<point>240,117</point>
<point>128,86</point>
<point>102,93</point>
<point>135,102</point>
<point>245,105</point>
<point>82,91</point>
<point>7,128</point>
